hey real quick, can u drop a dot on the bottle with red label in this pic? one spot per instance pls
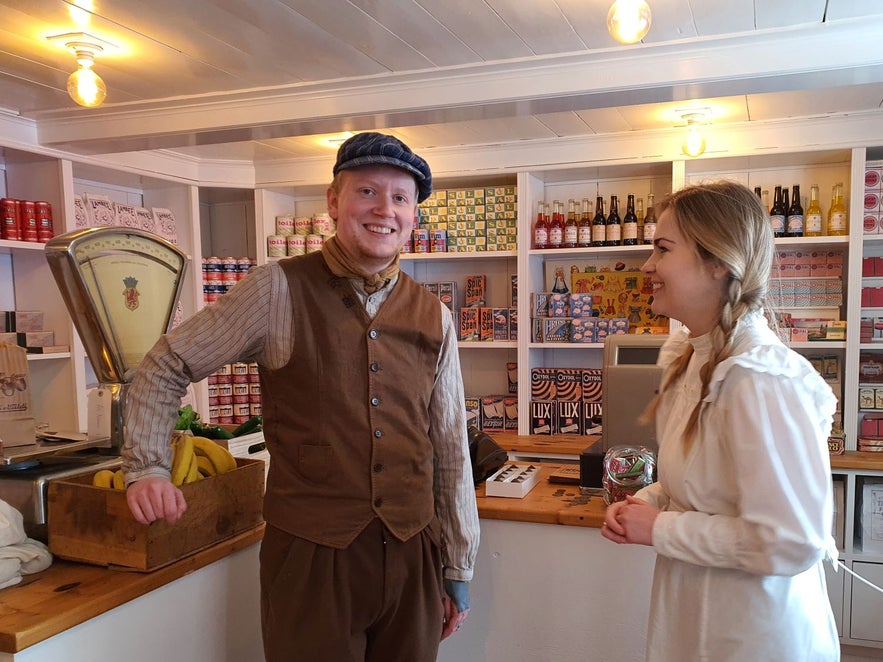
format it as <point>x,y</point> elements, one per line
<point>541,227</point>
<point>556,227</point>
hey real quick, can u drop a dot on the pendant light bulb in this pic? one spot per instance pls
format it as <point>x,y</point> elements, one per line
<point>694,142</point>
<point>84,85</point>
<point>628,21</point>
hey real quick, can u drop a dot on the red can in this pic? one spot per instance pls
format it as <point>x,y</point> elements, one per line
<point>45,228</point>
<point>9,224</point>
<point>28,221</point>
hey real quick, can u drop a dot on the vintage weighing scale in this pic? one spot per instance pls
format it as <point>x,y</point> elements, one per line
<point>121,287</point>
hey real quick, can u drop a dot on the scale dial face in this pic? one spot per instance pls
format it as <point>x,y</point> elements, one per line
<point>133,281</point>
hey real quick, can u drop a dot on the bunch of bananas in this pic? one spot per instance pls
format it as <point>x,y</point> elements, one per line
<point>110,479</point>
<point>195,458</point>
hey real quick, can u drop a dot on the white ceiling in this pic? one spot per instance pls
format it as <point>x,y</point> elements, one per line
<point>260,79</point>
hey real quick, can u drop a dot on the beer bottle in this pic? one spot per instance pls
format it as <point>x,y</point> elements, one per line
<point>571,226</point>
<point>650,221</point>
<point>599,224</point>
<point>630,223</point>
<point>812,222</point>
<point>838,223</point>
<point>614,224</point>
<point>777,213</point>
<point>584,232</point>
<point>794,220</point>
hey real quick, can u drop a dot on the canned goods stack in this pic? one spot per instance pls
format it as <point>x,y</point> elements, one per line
<point>234,393</point>
<point>25,220</point>
<point>296,235</point>
<point>468,220</point>
<point>220,274</point>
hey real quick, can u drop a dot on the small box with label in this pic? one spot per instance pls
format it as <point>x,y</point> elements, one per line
<point>542,414</point>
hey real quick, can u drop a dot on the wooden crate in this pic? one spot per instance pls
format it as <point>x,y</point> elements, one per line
<point>94,524</point>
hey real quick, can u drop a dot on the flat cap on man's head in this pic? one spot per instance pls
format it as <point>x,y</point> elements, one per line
<point>371,148</point>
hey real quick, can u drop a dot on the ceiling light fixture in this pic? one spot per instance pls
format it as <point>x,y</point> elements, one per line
<point>628,21</point>
<point>84,85</point>
<point>694,141</point>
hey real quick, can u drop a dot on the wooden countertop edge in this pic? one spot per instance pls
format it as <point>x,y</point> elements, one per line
<point>22,628</point>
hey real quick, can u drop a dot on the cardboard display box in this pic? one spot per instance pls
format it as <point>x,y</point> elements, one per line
<point>93,524</point>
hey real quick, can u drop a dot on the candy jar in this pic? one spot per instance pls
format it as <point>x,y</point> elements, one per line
<point>626,470</point>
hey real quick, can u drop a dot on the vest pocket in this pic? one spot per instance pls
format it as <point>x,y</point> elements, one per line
<point>315,461</point>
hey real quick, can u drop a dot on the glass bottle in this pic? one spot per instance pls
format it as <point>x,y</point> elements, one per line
<point>650,221</point>
<point>630,223</point>
<point>758,193</point>
<point>556,227</point>
<point>571,226</point>
<point>599,224</point>
<point>766,201</point>
<point>777,214</point>
<point>639,212</point>
<point>614,223</point>
<point>812,221</point>
<point>584,231</point>
<point>541,227</point>
<point>794,220</point>
<point>838,221</point>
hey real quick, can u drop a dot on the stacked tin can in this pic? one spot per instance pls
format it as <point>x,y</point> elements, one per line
<point>220,274</point>
<point>296,235</point>
<point>25,220</point>
<point>234,393</point>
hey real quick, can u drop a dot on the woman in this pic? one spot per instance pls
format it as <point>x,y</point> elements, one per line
<point>741,515</point>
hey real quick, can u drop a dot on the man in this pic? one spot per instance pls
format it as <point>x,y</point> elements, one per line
<point>369,495</point>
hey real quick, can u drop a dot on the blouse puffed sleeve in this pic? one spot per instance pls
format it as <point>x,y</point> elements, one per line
<point>771,413</point>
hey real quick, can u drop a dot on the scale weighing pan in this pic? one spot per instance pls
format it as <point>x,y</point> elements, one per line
<point>121,286</point>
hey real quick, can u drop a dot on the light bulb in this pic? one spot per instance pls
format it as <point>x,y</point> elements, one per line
<point>694,143</point>
<point>628,21</point>
<point>85,86</point>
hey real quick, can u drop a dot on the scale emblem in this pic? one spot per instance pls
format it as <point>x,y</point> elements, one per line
<point>130,293</point>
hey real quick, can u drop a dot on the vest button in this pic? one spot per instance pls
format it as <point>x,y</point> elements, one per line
<point>375,401</point>
<point>372,334</point>
<point>378,433</point>
<point>378,468</point>
<point>378,502</point>
<point>375,367</point>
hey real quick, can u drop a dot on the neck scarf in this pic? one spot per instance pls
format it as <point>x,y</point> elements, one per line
<point>341,264</point>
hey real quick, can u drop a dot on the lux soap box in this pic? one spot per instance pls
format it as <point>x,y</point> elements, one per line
<point>514,479</point>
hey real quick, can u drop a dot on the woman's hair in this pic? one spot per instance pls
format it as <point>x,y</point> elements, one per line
<point>728,226</point>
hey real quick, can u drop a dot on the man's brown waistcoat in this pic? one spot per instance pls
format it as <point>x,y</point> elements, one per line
<point>347,420</point>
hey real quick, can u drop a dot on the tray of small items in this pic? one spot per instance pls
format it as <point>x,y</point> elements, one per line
<point>514,479</point>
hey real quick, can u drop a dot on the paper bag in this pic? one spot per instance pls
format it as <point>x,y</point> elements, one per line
<point>17,426</point>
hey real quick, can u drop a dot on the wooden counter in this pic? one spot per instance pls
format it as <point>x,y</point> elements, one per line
<point>67,594</point>
<point>555,444</point>
<point>546,503</point>
<point>858,460</point>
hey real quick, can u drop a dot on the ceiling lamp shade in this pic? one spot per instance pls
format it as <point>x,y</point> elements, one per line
<point>84,85</point>
<point>628,21</point>
<point>694,141</point>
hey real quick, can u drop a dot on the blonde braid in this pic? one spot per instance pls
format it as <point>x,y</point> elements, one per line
<point>729,227</point>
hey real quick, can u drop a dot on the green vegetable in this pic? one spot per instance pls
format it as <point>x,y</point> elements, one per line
<point>210,431</point>
<point>186,418</point>
<point>251,425</point>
